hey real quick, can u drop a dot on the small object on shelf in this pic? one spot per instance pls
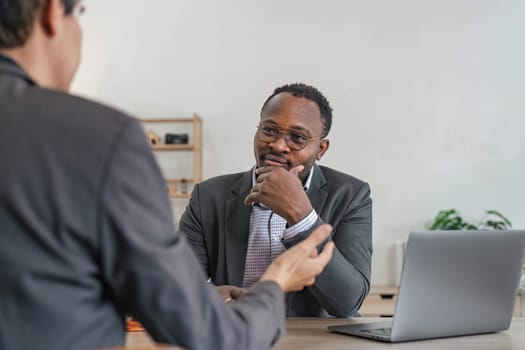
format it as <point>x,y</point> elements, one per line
<point>176,139</point>
<point>153,138</point>
<point>183,186</point>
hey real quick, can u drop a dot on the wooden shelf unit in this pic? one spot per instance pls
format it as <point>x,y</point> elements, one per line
<point>181,187</point>
<point>164,147</point>
<point>381,302</point>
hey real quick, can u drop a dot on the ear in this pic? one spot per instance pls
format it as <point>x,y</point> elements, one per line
<point>50,17</point>
<point>323,147</point>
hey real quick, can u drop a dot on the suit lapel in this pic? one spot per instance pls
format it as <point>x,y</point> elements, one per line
<point>237,226</point>
<point>316,193</point>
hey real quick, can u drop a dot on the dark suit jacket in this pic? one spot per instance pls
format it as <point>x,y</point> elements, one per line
<point>87,236</point>
<point>216,222</point>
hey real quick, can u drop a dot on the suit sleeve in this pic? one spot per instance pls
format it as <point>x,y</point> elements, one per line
<point>343,285</point>
<point>190,225</point>
<point>152,272</point>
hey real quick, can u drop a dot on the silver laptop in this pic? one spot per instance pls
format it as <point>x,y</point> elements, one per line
<point>453,283</point>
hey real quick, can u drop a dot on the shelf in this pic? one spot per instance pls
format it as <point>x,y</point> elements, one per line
<point>155,128</point>
<point>174,184</point>
<point>179,195</point>
<point>381,302</point>
<point>173,147</point>
<point>171,120</point>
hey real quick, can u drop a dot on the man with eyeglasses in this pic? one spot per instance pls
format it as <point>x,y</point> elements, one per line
<point>86,230</point>
<point>239,223</point>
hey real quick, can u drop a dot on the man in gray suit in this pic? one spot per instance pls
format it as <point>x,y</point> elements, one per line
<point>239,223</point>
<point>85,225</point>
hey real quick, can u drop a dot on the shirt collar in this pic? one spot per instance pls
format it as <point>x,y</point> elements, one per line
<point>308,181</point>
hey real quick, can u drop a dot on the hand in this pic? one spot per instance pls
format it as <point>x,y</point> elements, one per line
<point>299,265</point>
<point>230,293</point>
<point>282,192</point>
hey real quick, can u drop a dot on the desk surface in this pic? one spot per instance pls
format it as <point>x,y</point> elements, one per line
<point>311,333</point>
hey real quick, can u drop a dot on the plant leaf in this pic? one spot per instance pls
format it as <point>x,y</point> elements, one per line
<point>499,215</point>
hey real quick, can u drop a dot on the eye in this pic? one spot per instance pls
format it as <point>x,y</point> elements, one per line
<point>270,130</point>
<point>298,138</point>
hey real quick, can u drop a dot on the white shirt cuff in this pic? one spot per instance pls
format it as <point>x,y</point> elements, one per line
<point>301,226</point>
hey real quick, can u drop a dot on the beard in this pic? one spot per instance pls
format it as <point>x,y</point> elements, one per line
<point>277,159</point>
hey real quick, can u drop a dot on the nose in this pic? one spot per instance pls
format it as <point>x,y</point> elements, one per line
<point>280,145</point>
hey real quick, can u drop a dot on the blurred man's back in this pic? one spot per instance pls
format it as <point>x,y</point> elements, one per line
<point>85,222</point>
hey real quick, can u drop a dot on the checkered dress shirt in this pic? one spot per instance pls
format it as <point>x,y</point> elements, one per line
<point>264,243</point>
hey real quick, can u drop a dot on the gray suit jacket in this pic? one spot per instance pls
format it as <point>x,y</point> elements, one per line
<point>216,223</point>
<point>87,236</point>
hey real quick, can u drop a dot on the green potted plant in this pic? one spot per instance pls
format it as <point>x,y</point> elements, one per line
<point>492,220</point>
<point>451,220</point>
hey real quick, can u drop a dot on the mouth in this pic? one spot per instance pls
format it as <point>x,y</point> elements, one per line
<point>272,160</point>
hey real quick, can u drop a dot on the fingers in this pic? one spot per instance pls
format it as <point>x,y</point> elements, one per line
<point>224,291</point>
<point>326,254</point>
<point>236,292</point>
<point>300,265</point>
<point>230,293</point>
<point>319,261</point>
<point>315,265</point>
<point>249,199</point>
<point>296,170</point>
<point>273,181</point>
<point>318,236</point>
<point>253,195</point>
<point>264,169</point>
<point>301,284</point>
<point>261,177</point>
<point>308,247</point>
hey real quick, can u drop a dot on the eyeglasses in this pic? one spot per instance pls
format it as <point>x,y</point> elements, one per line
<point>295,139</point>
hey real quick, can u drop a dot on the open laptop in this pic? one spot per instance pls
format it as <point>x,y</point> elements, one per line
<point>453,283</point>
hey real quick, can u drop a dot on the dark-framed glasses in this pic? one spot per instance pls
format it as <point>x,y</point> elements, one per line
<point>295,139</point>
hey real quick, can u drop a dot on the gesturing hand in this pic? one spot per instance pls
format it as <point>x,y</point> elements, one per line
<point>230,293</point>
<point>282,192</point>
<point>299,265</point>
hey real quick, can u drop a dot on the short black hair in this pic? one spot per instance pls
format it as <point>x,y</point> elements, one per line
<point>311,93</point>
<point>17,18</point>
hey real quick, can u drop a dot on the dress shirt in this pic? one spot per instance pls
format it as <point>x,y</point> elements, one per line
<point>266,231</point>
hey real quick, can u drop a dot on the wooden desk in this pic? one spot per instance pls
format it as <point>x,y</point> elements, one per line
<point>311,333</point>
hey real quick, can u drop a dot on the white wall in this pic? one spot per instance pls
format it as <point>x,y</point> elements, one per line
<point>428,96</point>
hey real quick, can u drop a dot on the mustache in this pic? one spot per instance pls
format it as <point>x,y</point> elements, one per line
<point>276,157</point>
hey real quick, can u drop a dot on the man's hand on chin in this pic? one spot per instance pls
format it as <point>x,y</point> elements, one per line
<point>282,191</point>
